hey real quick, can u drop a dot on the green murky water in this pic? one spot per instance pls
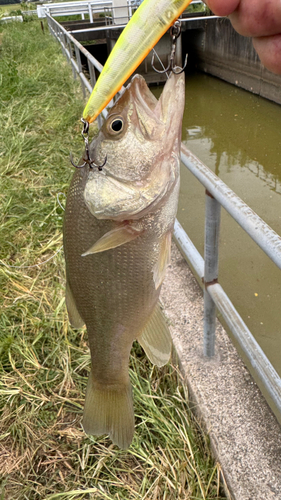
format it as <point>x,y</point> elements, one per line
<point>238,136</point>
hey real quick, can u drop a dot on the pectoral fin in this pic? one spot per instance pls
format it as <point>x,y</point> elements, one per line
<point>74,317</point>
<point>164,259</point>
<point>155,338</point>
<point>114,238</point>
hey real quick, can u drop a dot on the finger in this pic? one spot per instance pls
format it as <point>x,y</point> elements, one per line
<point>269,51</point>
<point>222,7</point>
<point>257,18</point>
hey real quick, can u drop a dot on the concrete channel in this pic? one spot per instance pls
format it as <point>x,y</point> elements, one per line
<point>211,43</point>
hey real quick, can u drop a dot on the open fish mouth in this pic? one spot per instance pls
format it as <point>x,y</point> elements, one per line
<point>158,109</point>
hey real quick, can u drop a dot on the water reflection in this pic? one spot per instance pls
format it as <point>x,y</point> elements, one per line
<point>235,125</point>
<point>230,157</point>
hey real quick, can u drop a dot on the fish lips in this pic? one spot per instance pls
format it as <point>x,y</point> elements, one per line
<point>156,116</point>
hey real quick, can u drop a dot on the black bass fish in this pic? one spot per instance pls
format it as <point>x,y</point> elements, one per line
<point>117,237</point>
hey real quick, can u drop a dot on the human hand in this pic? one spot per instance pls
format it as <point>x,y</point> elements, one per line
<point>259,19</point>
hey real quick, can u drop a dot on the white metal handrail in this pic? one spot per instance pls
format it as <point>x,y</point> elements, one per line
<point>217,194</point>
<point>89,7</point>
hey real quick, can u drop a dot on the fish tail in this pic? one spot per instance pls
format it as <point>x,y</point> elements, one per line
<point>109,410</point>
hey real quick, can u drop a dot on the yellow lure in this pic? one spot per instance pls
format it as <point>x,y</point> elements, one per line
<point>147,25</point>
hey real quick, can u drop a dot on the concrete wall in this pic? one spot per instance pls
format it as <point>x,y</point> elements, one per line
<point>220,51</point>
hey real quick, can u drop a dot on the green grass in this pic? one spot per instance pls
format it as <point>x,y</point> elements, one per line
<point>44,364</point>
<point>197,8</point>
<point>16,9</point>
<point>5,10</point>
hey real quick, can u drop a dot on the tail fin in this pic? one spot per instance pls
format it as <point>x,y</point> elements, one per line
<point>109,410</point>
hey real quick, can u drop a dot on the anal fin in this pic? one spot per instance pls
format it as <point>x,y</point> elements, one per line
<point>115,238</point>
<point>74,317</point>
<point>155,338</point>
<point>109,410</point>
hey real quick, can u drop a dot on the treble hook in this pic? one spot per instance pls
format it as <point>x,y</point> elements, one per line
<point>87,160</point>
<point>175,32</point>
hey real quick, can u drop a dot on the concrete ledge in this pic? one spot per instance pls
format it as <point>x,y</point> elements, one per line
<point>244,433</point>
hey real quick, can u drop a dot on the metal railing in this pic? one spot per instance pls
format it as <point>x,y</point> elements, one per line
<point>82,8</point>
<point>92,7</point>
<point>217,194</point>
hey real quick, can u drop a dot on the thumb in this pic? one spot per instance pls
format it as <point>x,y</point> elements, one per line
<point>222,7</point>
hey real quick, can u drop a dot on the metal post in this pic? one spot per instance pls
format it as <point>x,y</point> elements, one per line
<point>211,257</point>
<point>62,37</point>
<point>90,12</point>
<point>79,64</point>
<point>68,43</point>
<point>130,9</point>
<point>178,55</point>
<point>92,74</point>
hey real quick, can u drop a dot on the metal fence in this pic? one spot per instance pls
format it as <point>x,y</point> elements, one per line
<point>82,8</point>
<point>91,7</point>
<point>217,194</point>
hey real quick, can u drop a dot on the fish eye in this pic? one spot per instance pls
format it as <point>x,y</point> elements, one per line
<point>116,125</point>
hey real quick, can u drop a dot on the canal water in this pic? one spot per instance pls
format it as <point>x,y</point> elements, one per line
<point>238,136</point>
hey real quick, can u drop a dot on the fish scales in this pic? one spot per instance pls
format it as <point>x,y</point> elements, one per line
<point>117,235</point>
<point>114,277</point>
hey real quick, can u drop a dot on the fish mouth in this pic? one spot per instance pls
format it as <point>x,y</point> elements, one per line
<point>154,116</point>
<point>160,109</point>
<point>141,95</point>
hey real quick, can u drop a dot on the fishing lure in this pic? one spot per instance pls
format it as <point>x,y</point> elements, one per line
<point>150,21</point>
